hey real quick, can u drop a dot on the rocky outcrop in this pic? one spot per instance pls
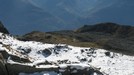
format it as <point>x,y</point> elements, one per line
<point>69,70</point>
<point>3,29</point>
<point>3,68</point>
<point>14,69</point>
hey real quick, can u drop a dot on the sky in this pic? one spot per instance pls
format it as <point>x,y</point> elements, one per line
<point>23,16</point>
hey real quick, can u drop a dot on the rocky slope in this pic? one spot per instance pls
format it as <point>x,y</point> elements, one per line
<point>35,58</point>
<point>111,36</point>
<point>31,56</point>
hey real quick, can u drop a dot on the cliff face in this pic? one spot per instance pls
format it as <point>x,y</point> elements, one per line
<point>3,29</point>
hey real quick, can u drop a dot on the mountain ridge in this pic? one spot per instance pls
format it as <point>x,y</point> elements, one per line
<point>109,36</point>
<point>111,28</point>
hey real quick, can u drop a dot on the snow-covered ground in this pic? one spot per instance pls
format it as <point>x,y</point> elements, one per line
<point>50,55</point>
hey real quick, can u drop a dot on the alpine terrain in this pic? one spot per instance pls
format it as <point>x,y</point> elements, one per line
<point>37,58</point>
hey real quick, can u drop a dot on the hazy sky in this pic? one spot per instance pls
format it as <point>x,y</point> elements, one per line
<point>22,16</point>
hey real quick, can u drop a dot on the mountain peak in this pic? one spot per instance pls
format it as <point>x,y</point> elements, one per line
<point>3,29</point>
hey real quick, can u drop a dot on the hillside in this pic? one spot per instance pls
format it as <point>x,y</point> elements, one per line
<point>116,30</point>
<point>31,56</point>
<point>111,36</point>
<point>98,49</point>
<point>36,58</point>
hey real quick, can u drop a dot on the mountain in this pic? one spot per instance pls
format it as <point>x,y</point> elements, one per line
<point>3,29</point>
<point>119,12</point>
<point>19,16</point>
<point>51,15</point>
<point>36,58</point>
<point>110,28</point>
<point>111,36</point>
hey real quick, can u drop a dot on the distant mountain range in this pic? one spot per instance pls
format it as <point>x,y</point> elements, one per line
<point>22,16</point>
